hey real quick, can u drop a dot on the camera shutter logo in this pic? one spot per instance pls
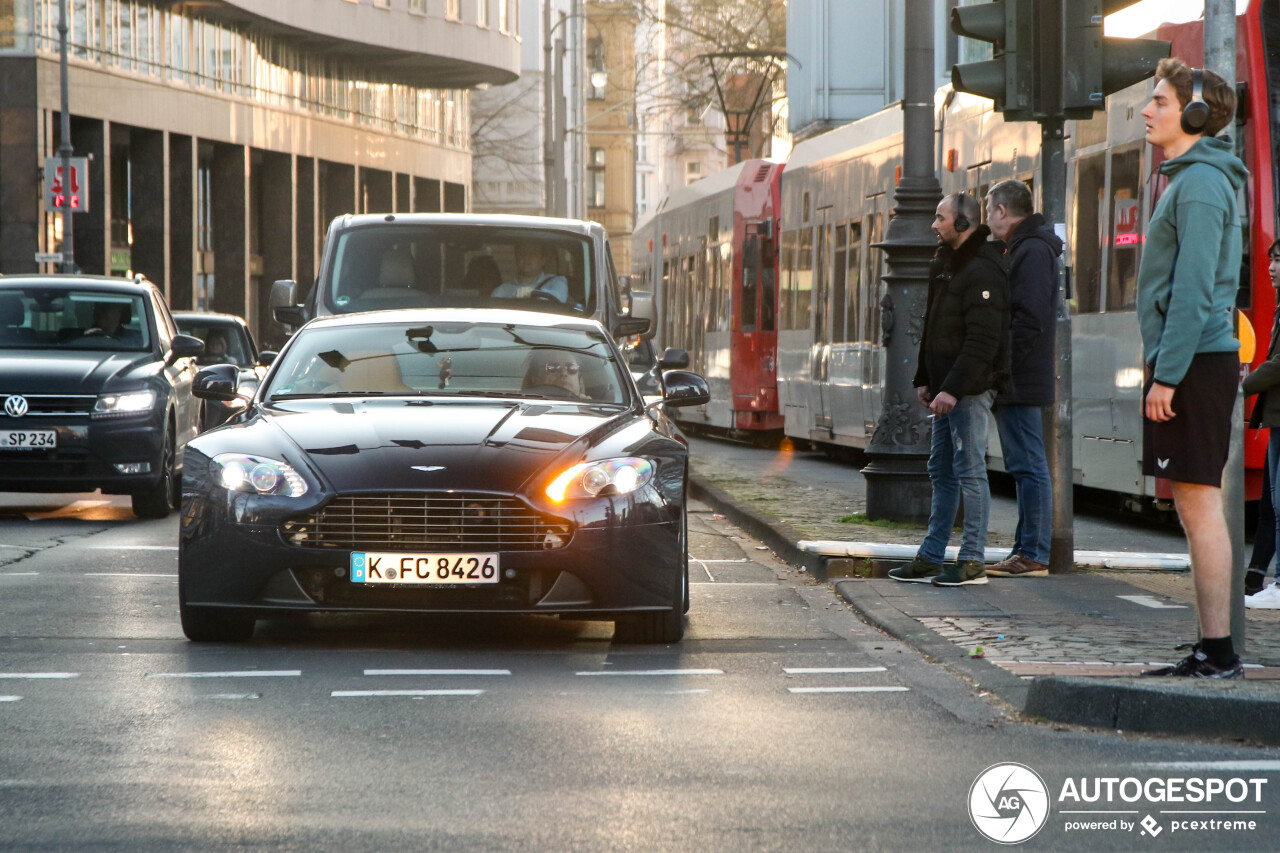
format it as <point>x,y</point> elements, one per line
<point>1008,803</point>
<point>15,406</point>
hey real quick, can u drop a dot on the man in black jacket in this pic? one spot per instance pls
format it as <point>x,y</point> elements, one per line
<point>963,361</point>
<point>1031,259</point>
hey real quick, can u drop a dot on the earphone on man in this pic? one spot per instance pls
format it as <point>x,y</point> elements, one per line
<point>1195,115</point>
<point>961,221</point>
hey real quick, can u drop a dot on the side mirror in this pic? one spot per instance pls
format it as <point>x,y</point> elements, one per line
<point>629,327</point>
<point>217,383</point>
<point>267,357</point>
<point>285,309</point>
<point>184,346</point>
<point>673,359</point>
<point>644,308</point>
<point>681,388</point>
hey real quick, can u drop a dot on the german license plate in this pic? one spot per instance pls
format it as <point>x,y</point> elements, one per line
<point>451,569</point>
<point>32,439</point>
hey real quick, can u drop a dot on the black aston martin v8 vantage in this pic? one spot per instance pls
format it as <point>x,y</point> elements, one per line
<point>484,461</point>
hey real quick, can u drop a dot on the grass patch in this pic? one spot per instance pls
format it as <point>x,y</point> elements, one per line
<point>861,518</point>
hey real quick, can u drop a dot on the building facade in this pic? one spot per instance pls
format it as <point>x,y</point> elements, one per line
<point>224,135</point>
<point>609,180</point>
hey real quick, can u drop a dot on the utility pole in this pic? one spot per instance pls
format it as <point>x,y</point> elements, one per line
<point>1220,56</point>
<point>898,486</point>
<point>65,150</point>
<point>548,114</point>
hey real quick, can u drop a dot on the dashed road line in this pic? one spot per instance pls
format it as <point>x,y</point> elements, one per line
<point>889,689</point>
<point>1150,601</point>
<point>125,575</point>
<point>248,673</point>
<point>231,696</point>
<point>350,694</point>
<point>647,672</point>
<point>437,672</point>
<point>824,670</point>
<point>132,547</point>
<point>35,675</point>
<point>10,698</point>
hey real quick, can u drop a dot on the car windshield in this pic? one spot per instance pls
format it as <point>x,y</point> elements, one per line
<point>224,343</point>
<point>459,266</point>
<point>455,359</point>
<point>48,318</point>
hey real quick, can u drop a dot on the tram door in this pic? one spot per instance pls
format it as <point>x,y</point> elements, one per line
<point>748,352</point>
<point>820,404</point>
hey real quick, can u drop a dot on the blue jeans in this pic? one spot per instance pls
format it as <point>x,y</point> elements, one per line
<point>958,466</point>
<point>1022,441</point>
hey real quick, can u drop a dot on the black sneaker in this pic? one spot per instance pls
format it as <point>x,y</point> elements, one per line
<point>1254,581</point>
<point>1198,665</point>
<point>919,570</point>
<point>962,573</point>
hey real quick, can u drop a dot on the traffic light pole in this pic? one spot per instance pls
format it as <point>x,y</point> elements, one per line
<point>65,150</point>
<point>1053,193</point>
<point>1220,56</point>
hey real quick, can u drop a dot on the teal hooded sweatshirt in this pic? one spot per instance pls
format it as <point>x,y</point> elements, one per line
<point>1191,262</point>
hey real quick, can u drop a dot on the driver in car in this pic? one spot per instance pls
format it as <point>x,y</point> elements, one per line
<point>108,321</point>
<point>532,281</point>
<point>553,372</point>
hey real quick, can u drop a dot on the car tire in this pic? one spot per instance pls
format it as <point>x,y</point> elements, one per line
<point>159,500</point>
<point>684,556</point>
<point>204,625</point>
<point>661,626</point>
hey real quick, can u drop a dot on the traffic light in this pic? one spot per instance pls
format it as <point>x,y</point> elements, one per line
<point>1095,66</point>
<point>1009,78</point>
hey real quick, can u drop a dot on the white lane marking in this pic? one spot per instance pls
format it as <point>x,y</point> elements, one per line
<point>247,673</point>
<point>698,560</point>
<point>231,696</point>
<point>847,689</point>
<point>132,547</point>
<point>654,672</point>
<point>437,672</point>
<point>15,547</point>
<point>10,698</point>
<point>17,574</point>
<point>1264,765</point>
<point>1150,601</point>
<point>39,675</point>
<point>125,575</point>
<point>813,670</point>
<point>347,694</point>
<point>732,583</point>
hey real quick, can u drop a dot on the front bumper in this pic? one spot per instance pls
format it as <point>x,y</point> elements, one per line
<point>620,559</point>
<point>86,455</point>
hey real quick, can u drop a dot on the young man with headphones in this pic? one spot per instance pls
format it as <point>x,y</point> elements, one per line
<point>1187,282</point>
<point>963,362</point>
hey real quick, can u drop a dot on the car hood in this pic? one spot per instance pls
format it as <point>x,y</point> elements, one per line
<point>39,371</point>
<point>418,444</point>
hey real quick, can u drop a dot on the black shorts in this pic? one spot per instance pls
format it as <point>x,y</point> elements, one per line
<point>1192,447</point>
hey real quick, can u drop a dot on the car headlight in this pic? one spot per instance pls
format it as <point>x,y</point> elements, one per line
<point>240,472</point>
<point>608,476</point>
<point>130,403</point>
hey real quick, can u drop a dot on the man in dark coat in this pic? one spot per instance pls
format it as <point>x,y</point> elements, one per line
<point>963,361</point>
<point>1031,259</point>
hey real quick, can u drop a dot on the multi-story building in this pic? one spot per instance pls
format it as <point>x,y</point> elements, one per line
<point>224,135</point>
<point>609,179</point>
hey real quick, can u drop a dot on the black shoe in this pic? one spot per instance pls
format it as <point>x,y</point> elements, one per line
<point>919,570</point>
<point>1254,581</point>
<point>1198,665</point>
<point>962,573</point>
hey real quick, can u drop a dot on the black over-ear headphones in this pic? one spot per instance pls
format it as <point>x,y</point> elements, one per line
<point>961,221</point>
<point>1195,115</point>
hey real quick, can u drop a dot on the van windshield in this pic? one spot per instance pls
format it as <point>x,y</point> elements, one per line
<point>459,266</point>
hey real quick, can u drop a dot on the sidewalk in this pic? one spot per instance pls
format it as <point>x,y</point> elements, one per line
<point>1065,648</point>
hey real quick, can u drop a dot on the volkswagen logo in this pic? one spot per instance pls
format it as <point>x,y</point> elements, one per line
<point>15,406</point>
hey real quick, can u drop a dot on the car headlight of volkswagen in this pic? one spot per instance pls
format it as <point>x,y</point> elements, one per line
<point>606,477</point>
<point>124,403</point>
<point>241,472</point>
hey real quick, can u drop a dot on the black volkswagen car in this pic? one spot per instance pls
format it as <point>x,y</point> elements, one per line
<point>227,340</point>
<point>439,460</point>
<point>95,383</point>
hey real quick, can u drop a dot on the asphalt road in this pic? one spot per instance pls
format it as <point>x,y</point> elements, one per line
<point>782,722</point>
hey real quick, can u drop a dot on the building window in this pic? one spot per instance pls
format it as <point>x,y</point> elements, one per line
<point>417,7</point>
<point>382,4</point>
<point>595,178</point>
<point>642,195</point>
<point>642,138</point>
<point>453,10</point>
<point>482,13</point>
<point>595,63</point>
<point>692,171</point>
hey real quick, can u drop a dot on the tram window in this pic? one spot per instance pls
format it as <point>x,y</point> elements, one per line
<point>854,281</point>
<point>804,279</point>
<point>1125,245</point>
<point>726,285</point>
<point>668,302</point>
<point>838,283</point>
<point>750,271</point>
<point>788,272</point>
<point>1087,236</point>
<point>871,292</point>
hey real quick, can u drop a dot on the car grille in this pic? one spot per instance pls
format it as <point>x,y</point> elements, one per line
<point>452,520</point>
<point>54,404</point>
